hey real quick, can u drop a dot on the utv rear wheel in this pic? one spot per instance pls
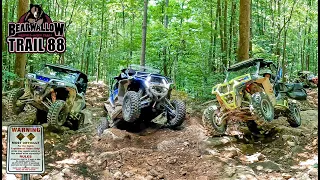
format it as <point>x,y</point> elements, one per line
<point>213,122</point>
<point>293,115</point>
<point>57,114</point>
<point>131,106</point>
<point>176,117</point>
<point>263,106</point>
<point>13,106</point>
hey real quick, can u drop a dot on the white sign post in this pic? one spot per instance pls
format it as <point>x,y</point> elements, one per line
<point>25,150</point>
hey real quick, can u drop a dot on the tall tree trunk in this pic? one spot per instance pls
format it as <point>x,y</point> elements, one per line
<point>5,27</point>
<point>225,35</point>
<point>144,34</point>
<point>21,58</point>
<point>231,31</point>
<point>279,34</point>
<point>244,30</point>
<point>165,64</point>
<point>308,42</point>
<point>214,67</point>
<point>251,33</point>
<point>88,56</point>
<point>284,64</point>
<point>100,48</point>
<point>84,47</point>
<point>124,29</point>
<point>131,36</point>
<point>210,57</point>
<point>220,29</point>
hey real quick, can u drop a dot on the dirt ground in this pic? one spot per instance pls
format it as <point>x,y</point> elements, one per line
<point>187,153</point>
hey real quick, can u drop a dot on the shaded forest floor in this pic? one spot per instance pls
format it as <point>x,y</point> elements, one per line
<point>282,153</point>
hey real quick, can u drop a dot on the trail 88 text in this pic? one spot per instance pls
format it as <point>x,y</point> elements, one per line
<point>56,45</point>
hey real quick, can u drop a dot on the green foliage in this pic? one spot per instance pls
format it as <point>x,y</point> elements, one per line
<point>185,45</point>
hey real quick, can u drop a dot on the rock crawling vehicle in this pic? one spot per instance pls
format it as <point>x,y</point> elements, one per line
<point>57,92</point>
<point>141,93</point>
<point>248,96</point>
<point>308,79</point>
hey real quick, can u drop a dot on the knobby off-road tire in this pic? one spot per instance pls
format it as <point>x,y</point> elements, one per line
<point>131,106</point>
<point>263,108</point>
<point>13,97</point>
<point>293,115</point>
<point>57,114</point>
<point>180,114</point>
<point>103,125</point>
<point>210,123</point>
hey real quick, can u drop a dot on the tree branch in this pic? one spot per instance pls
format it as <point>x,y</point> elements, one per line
<point>71,14</point>
<point>285,23</point>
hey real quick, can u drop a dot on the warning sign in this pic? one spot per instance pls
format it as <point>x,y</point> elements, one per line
<point>25,149</point>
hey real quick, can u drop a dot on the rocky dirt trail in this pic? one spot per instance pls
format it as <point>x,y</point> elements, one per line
<point>283,153</point>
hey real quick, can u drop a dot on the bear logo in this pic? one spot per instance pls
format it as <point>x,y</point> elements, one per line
<point>35,15</point>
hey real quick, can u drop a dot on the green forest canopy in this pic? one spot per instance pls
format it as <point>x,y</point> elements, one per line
<point>189,40</point>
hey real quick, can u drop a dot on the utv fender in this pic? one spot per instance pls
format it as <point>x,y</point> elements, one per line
<point>123,85</point>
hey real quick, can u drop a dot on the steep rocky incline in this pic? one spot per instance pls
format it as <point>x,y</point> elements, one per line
<point>282,153</point>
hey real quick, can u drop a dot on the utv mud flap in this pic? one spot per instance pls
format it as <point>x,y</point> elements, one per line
<point>113,112</point>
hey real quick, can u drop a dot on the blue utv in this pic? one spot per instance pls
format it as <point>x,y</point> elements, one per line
<point>141,93</point>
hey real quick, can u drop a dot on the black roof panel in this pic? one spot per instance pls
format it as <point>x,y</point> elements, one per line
<point>248,63</point>
<point>64,67</point>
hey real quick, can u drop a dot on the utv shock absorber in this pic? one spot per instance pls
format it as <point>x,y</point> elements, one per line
<point>53,95</point>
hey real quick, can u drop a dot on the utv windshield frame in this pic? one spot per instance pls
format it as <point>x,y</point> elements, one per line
<point>258,63</point>
<point>65,69</point>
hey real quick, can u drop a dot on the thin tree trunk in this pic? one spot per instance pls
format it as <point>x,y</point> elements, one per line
<point>214,67</point>
<point>124,30</point>
<point>88,57</point>
<point>251,33</point>
<point>231,30</point>
<point>220,30</point>
<point>210,57</point>
<point>4,46</point>
<point>21,58</point>
<point>308,43</point>
<point>273,24</point>
<point>131,36</point>
<point>284,64</point>
<point>165,66</point>
<point>100,48</point>
<point>84,47</point>
<point>244,30</point>
<point>144,34</point>
<point>225,34</point>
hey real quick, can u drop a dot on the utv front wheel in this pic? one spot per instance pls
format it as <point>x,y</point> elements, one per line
<point>13,101</point>
<point>57,114</point>
<point>131,106</point>
<point>263,106</point>
<point>213,122</point>
<point>176,117</point>
<point>293,115</point>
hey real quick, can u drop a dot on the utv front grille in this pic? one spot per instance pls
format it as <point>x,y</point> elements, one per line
<point>229,98</point>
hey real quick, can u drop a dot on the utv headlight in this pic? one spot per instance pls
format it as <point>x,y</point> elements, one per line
<point>30,75</point>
